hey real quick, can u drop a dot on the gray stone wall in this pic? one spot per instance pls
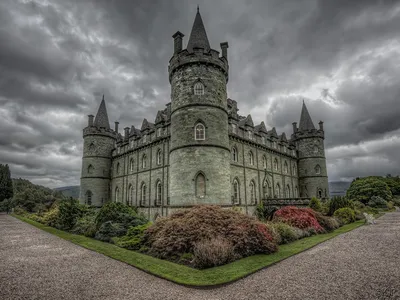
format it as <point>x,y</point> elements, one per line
<point>96,164</point>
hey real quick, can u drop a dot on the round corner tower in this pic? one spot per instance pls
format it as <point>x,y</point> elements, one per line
<point>98,143</point>
<point>313,176</point>
<point>199,153</point>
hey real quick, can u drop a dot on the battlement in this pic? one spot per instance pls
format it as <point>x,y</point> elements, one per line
<point>198,56</point>
<point>311,133</point>
<point>93,130</point>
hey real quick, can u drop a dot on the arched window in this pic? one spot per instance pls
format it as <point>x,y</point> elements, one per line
<point>250,135</point>
<point>251,158</point>
<point>287,191</point>
<point>263,140</point>
<point>296,192</point>
<point>294,169</point>
<point>252,192</point>
<point>267,190</point>
<point>199,132</point>
<point>234,154</point>
<point>317,169</point>
<point>143,195</point>
<point>264,162</point>
<point>198,88</point>
<point>159,156</point>
<point>91,147</point>
<point>158,193</point>
<point>131,165</point>
<point>90,169</point>
<point>275,164</point>
<point>200,185</point>
<point>145,138</point>
<point>319,194</point>
<point>130,195</point>
<point>144,159</point>
<point>285,168</point>
<point>236,191</point>
<point>118,168</point>
<point>89,195</point>
<point>316,149</point>
<point>278,191</point>
<point>117,195</point>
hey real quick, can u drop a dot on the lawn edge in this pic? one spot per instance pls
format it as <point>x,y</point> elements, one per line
<point>182,280</point>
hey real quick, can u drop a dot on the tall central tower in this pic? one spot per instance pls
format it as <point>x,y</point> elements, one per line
<point>199,153</point>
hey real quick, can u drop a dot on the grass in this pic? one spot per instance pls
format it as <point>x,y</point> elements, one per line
<point>188,276</point>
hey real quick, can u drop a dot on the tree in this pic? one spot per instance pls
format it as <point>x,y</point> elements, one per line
<point>6,185</point>
<point>364,188</point>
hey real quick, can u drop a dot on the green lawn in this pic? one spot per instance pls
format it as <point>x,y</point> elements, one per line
<point>188,276</point>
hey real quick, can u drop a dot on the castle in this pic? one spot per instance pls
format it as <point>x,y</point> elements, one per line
<point>199,149</point>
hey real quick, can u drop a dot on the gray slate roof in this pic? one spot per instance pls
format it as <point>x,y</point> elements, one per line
<point>101,119</point>
<point>198,36</point>
<point>305,120</point>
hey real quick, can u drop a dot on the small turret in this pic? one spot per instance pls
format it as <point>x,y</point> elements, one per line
<point>98,143</point>
<point>313,177</point>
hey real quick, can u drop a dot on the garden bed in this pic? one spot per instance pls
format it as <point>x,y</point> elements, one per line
<point>193,277</point>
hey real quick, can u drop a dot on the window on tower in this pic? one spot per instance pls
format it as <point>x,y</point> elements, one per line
<point>199,132</point>
<point>198,89</point>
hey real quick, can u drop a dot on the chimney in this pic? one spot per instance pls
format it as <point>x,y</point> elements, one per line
<point>321,125</point>
<point>116,127</point>
<point>178,41</point>
<point>224,48</point>
<point>294,127</point>
<point>90,120</point>
<point>126,133</point>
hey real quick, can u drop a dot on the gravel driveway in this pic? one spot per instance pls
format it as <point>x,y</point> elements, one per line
<point>361,264</point>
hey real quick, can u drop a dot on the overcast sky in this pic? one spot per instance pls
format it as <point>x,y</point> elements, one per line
<point>57,57</point>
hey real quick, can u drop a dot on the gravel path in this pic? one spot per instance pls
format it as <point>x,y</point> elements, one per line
<point>361,264</point>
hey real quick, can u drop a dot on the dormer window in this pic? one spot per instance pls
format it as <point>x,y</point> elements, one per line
<point>263,140</point>
<point>159,132</point>
<point>198,88</point>
<point>145,138</point>
<point>199,132</point>
<point>250,134</point>
<point>234,128</point>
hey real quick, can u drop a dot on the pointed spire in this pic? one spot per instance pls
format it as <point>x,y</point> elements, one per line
<point>198,36</point>
<point>101,119</point>
<point>305,120</point>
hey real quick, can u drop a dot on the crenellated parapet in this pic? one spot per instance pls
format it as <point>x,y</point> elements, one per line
<point>93,130</point>
<point>312,133</point>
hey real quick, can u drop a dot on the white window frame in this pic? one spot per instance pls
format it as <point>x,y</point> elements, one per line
<point>198,89</point>
<point>199,137</point>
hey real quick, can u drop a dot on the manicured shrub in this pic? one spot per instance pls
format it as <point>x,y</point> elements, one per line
<point>118,212</point>
<point>315,204</point>
<point>69,212</point>
<point>339,202</point>
<point>211,253</point>
<point>133,239</point>
<point>85,225</point>
<point>283,233</point>
<point>328,223</point>
<point>303,218</point>
<point>109,230</point>
<point>377,202</point>
<point>358,205</point>
<point>178,233</point>
<point>346,215</point>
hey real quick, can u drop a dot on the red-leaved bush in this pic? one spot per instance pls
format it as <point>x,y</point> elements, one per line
<point>179,233</point>
<point>303,218</point>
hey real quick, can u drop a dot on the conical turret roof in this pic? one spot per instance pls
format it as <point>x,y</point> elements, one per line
<point>101,119</point>
<point>198,36</point>
<point>305,120</point>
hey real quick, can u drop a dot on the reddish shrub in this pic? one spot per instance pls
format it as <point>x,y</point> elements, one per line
<point>178,233</point>
<point>211,253</point>
<point>302,218</point>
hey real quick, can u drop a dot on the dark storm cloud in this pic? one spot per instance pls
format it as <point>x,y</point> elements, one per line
<point>57,58</point>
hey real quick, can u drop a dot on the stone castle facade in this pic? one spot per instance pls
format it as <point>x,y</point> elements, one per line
<point>199,149</point>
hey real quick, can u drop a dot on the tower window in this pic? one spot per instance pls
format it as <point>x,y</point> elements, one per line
<point>89,195</point>
<point>317,169</point>
<point>251,158</point>
<point>198,89</point>
<point>199,132</point>
<point>158,193</point>
<point>234,154</point>
<point>315,149</point>
<point>144,159</point>
<point>143,195</point>
<point>91,147</point>
<point>236,191</point>
<point>200,185</point>
<point>90,169</point>
<point>159,157</point>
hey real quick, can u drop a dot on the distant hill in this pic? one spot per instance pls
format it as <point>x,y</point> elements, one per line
<point>338,188</point>
<point>69,191</point>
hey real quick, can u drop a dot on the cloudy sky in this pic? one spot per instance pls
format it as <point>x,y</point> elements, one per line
<point>57,57</point>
